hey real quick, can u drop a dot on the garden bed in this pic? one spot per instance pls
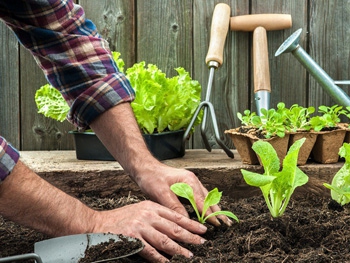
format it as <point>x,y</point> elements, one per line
<point>309,231</point>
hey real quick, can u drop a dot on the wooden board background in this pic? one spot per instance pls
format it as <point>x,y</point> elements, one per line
<point>173,33</point>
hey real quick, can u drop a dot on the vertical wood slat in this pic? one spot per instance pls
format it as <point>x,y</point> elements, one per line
<point>286,85</point>
<point>37,131</point>
<point>115,21</point>
<point>230,84</point>
<point>164,34</point>
<point>329,45</point>
<point>9,87</point>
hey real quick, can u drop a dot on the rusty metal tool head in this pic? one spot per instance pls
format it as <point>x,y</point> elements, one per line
<point>259,24</point>
<point>214,59</point>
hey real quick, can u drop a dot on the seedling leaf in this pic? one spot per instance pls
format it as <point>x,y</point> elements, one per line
<point>213,197</point>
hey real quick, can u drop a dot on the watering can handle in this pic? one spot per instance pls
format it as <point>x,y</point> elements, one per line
<point>219,28</point>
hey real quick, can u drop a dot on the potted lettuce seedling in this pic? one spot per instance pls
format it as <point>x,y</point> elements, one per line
<point>298,120</point>
<point>163,108</point>
<point>331,134</point>
<point>213,198</point>
<point>277,185</point>
<point>269,126</point>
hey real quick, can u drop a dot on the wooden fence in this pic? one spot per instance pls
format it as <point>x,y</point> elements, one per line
<point>172,33</point>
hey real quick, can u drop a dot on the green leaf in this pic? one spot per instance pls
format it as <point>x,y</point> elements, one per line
<point>226,213</point>
<point>268,156</point>
<point>340,187</point>
<point>51,103</point>
<point>163,103</point>
<point>213,197</point>
<point>255,179</point>
<point>184,190</point>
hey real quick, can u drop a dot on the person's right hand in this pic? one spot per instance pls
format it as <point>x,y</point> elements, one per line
<point>156,226</point>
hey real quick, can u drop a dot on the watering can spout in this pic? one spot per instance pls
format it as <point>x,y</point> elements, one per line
<point>291,45</point>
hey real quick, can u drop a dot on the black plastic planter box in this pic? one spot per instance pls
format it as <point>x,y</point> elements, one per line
<point>163,146</point>
<point>89,147</point>
<point>166,145</point>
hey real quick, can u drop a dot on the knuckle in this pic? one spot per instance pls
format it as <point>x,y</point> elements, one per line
<point>164,242</point>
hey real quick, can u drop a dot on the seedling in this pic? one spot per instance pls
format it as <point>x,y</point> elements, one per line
<point>277,186</point>
<point>340,187</point>
<point>249,118</point>
<point>273,121</point>
<point>214,196</point>
<point>329,119</point>
<point>299,117</point>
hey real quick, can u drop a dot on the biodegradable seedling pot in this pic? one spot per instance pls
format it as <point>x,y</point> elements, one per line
<point>163,146</point>
<point>327,146</point>
<point>307,147</point>
<point>244,141</point>
<point>243,146</point>
<point>280,144</point>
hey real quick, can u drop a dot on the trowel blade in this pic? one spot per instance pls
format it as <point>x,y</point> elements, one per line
<point>69,249</point>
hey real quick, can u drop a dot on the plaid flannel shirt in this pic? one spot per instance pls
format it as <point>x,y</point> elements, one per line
<point>71,53</point>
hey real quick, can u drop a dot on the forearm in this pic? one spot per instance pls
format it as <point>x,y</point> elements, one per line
<point>29,200</point>
<point>118,130</point>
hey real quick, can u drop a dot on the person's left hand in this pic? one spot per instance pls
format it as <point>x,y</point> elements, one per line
<point>156,184</point>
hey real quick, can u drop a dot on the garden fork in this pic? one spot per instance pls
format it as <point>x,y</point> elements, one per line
<point>219,29</point>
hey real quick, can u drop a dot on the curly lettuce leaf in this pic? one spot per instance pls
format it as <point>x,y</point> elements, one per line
<point>51,103</point>
<point>163,103</point>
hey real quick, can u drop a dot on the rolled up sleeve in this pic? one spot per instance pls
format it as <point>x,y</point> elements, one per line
<point>8,158</point>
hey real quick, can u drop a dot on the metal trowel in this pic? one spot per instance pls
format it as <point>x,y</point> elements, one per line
<point>69,249</point>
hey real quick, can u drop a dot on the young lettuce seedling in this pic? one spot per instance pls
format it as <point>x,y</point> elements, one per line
<point>214,196</point>
<point>277,186</point>
<point>340,187</point>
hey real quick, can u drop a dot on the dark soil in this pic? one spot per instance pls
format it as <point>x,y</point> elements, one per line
<point>111,249</point>
<point>312,229</point>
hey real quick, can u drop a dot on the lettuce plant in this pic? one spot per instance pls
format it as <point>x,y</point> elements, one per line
<point>329,119</point>
<point>298,117</point>
<point>50,103</point>
<point>214,196</point>
<point>277,186</point>
<point>340,187</point>
<point>160,104</point>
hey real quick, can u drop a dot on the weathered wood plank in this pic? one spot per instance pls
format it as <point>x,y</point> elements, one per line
<point>37,131</point>
<point>329,38</point>
<point>230,91</point>
<point>287,76</point>
<point>9,88</point>
<point>115,21</point>
<point>164,34</point>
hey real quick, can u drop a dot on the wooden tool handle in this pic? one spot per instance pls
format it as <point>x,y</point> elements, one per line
<point>219,28</point>
<point>267,21</point>
<point>261,61</point>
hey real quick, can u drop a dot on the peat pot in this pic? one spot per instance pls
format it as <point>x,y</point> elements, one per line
<point>244,141</point>
<point>165,145</point>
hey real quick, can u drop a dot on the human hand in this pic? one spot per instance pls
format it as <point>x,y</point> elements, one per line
<point>156,184</point>
<point>156,226</point>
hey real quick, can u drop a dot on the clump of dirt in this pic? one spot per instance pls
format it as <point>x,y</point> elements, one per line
<point>312,229</point>
<point>111,249</point>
